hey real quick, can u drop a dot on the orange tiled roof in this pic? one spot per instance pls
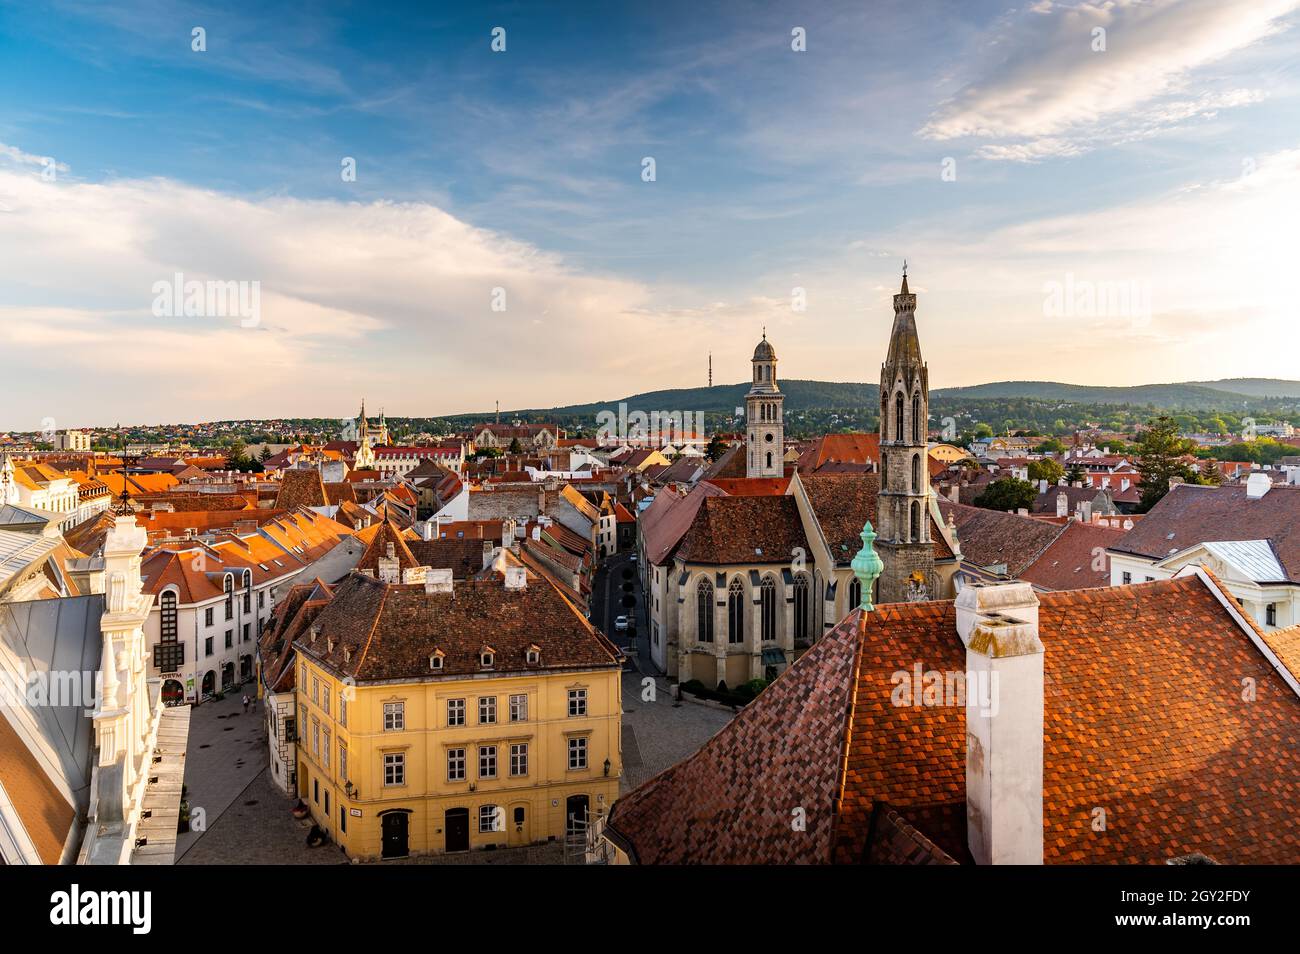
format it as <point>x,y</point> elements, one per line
<point>1142,714</point>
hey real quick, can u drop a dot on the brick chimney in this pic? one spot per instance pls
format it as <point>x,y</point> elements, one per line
<point>998,624</point>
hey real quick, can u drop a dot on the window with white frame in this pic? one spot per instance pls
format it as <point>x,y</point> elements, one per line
<point>394,768</point>
<point>394,716</point>
<point>487,710</point>
<point>577,753</point>
<point>315,690</point>
<point>325,701</point>
<point>519,759</point>
<point>577,702</point>
<point>343,709</point>
<point>315,738</point>
<point>325,752</point>
<point>455,765</point>
<point>490,818</point>
<point>487,761</point>
<point>455,712</point>
<point>519,708</point>
<point>343,761</point>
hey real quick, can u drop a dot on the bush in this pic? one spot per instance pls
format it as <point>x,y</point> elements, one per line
<point>752,688</point>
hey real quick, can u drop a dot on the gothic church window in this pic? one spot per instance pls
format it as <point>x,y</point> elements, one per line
<point>735,612</point>
<point>767,608</point>
<point>704,612</point>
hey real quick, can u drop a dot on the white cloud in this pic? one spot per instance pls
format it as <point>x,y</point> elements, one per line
<point>1051,94</point>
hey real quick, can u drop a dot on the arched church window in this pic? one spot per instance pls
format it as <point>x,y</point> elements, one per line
<point>767,608</point>
<point>898,417</point>
<point>916,419</point>
<point>855,594</point>
<point>704,612</point>
<point>801,606</point>
<point>769,460</point>
<point>916,473</point>
<point>916,522</point>
<point>736,612</point>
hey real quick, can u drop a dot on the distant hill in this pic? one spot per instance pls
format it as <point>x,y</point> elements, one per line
<point>1255,387</point>
<point>801,395</point>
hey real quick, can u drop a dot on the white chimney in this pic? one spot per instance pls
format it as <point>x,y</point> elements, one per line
<point>1062,505</point>
<point>998,622</point>
<point>516,578</point>
<point>1257,485</point>
<point>438,580</point>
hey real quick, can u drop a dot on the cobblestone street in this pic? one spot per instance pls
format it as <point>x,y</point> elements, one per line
<point>660,734</point>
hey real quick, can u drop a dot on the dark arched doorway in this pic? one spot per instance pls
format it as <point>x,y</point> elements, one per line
<point>575,814</point>
<point>395,826</point>
<point>173,693</point>
<point>227,675</point>
<point>209,683</point>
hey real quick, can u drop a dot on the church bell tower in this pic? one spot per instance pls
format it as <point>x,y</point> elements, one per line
<point>905,544</point>
<point>764,417</point>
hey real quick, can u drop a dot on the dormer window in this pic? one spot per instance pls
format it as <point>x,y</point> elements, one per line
<point>533,655</point>
<point>435,660</point>
<point>487,657</point>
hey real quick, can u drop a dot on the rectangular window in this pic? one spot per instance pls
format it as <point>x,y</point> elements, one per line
<point>315,738</point>
<point>487,761</point>
<point>343,709</point>
<point>230,609</point>
<point>207,616</point>
<point>455,712</point>
<point>290,729</point>
<point>577,702</point>
<point>325,755</point>
<point>315,690</point>
<point>207,646</point>
<point>455,765</point>
<point>394,716</point>
<point>343,762</point>
<point>248,602</point>
<point>487,710</point>
<point>394,768</point>
<point>1127,578</point>
<point>519,708</point>
<point>1270,614</point>
<point>246,631</point>
<point>343,819</point>
<point>230,638</point>
<point>577,753</point>
<point>519,759</point>
<point>261,599</point>
<point>325,701</point>
<point>489,819</point>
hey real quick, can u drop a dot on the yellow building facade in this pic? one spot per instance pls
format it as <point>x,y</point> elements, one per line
<point>442,763</point>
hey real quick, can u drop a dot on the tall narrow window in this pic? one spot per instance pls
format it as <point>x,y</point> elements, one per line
<point>916,473</point>
<point>704,612</point>
<point>855,594</point>
<point>767,608</point>
<point>898,418</point>
<point>916,521</point>
<point>736,612</point>
<point>916,419</point>
<point>801,607</point>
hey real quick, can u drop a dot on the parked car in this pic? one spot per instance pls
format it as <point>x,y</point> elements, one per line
<point>620,624</point>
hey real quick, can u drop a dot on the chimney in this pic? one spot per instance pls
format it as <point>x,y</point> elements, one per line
<point>1085,511</point>
<point>516,578</point>
<point>998,622</point>
<point>438,580</point>
<point>1042,486</point>
<point>488,551</point>
<point>426,530</point>
<point>1257,485</point>
<point>1062,505</point>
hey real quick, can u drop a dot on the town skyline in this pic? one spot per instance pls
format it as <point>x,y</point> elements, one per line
<point>442,252</point>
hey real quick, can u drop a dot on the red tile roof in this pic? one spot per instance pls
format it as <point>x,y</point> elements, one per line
<point>1143,716</point>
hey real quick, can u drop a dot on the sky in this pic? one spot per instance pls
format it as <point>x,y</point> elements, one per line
<point>1100,193</point>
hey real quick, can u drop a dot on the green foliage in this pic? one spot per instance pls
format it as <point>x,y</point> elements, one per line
<point>1045,469</point>
<point>1160,450</point>
<point>1008,493</point>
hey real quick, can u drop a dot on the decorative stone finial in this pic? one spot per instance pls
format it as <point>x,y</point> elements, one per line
<point>867,566</point>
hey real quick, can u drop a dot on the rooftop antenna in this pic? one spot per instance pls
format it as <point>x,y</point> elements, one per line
<point>710,369</point>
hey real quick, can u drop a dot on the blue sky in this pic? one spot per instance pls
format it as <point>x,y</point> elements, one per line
<point>1166,164</point>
